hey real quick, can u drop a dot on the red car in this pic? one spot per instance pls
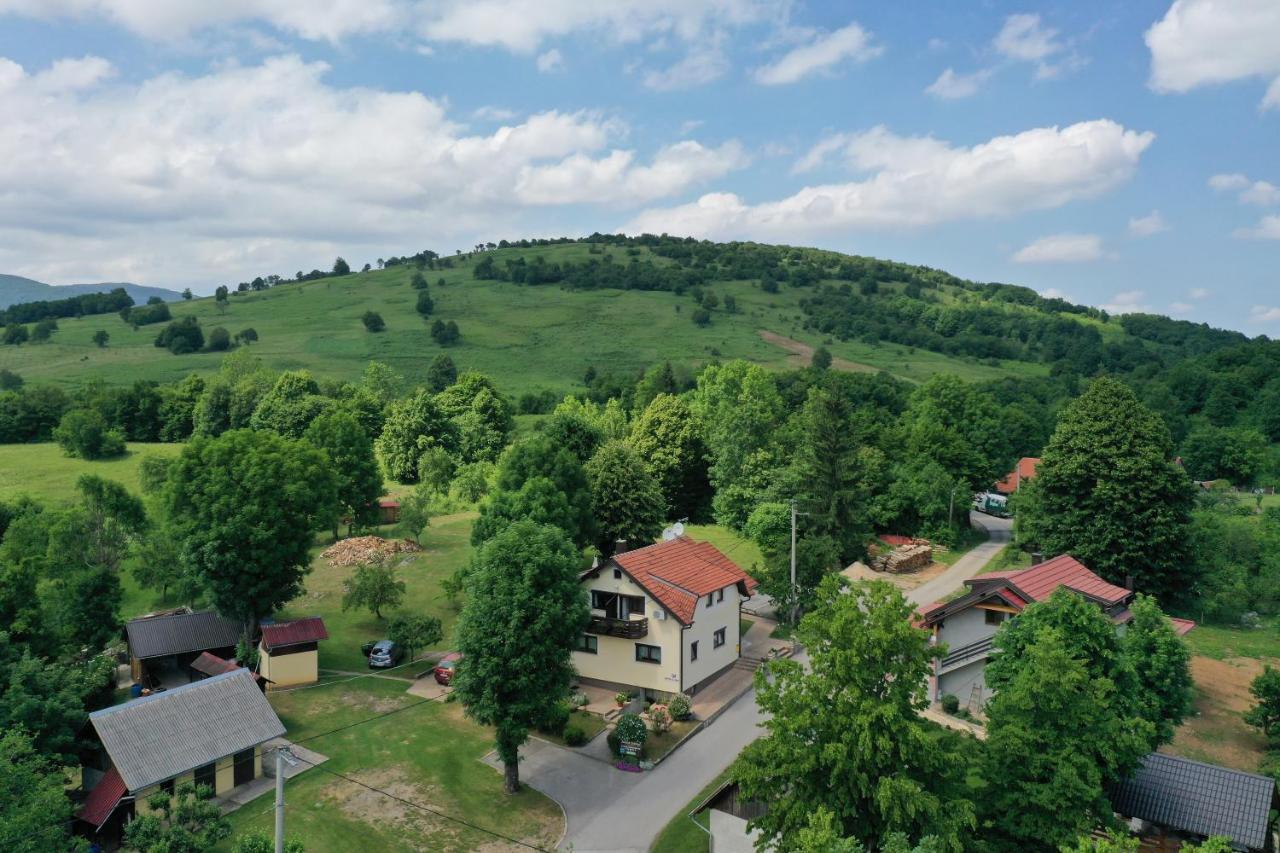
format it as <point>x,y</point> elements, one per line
<point>445,669</point>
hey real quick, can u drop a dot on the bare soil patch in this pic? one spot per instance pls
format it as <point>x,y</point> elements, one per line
<point>802,354</point>
<point>905,582</point>
<point>1217,733</point>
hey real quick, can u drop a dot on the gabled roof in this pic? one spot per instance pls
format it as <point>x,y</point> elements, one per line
<point>677,572</point>
<point>1197,798</point>
<point>307,630</point>
<point>103,799</point>
<point>1041,580</point>
<point>159,636</point>
<point>163,735</point>
<point>1023,471</point>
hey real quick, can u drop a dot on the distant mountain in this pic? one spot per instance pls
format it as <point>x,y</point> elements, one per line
<point>15,289</point>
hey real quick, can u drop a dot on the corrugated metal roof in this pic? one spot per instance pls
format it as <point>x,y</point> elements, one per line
<point>160,736</point>
<point>1198,798</point>
<point>103,799</point>
<point>677,572</point>
<point>159,636</point>
<point>307,630</point>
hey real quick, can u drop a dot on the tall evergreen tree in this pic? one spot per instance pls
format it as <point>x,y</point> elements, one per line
<point>832,471</point>
<point>1108,493</point>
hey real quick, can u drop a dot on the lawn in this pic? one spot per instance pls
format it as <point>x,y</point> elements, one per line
<point>740,549</point>
<point>45,472</point>
<point>590,723</point>
<point>1222,642</point>
<point>427,754</point>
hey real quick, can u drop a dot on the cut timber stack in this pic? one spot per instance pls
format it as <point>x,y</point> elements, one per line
<point>911,558</point>
<point>363,549</point>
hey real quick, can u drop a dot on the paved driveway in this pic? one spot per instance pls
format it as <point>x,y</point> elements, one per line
<point>609,811</point>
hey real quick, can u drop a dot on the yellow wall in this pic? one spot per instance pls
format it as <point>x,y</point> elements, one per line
<point>616,658</point>
<point>224,780</point>
<point>283,670</point>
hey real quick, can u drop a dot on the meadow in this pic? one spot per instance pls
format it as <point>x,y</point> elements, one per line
<point>528,338</point>
<point>46,473</point>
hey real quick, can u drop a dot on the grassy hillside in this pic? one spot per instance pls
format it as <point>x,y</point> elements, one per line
<point>527,338</point>
<point>44,472</point>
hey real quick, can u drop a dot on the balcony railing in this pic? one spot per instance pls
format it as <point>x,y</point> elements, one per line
<point>627,629</point>
<point>965,654</point>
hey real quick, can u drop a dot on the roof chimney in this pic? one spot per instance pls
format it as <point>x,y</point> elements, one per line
<point>1037,558</point>
<point>620,547</point>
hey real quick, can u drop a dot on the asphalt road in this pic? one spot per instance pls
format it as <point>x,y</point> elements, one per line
<point>609,811</point>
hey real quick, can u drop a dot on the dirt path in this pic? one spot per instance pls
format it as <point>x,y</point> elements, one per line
<point>802,354</point>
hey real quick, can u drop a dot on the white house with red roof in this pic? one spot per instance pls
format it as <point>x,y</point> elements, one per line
<point>664,618</point>
<point>968,623</point>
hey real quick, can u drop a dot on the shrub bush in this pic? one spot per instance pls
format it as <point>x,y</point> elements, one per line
<point>660,717</point>
<point>181,336</point>
<point>84,433</point>
<point>631,729</point>
<point>680,707</point>
<point>950,703</point>
<point>373,321</point>
<point>556,720</point>
<point>574,736</point>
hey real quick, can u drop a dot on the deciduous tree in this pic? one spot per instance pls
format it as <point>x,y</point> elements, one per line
<point>625,497</point>
<point>413,425</point>
<point>669,438</point>
<point>373,585</point>
<point>350,451</point>
<point>414,632</point>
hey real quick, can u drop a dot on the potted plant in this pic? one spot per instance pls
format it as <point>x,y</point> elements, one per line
<point>621,699</point>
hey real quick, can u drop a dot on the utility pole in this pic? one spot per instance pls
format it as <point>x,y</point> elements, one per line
<point>280,799</point>
<point>795,592</point>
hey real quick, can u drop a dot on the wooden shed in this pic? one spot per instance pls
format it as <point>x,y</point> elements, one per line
<point>388,511</point>
<point>289,652</point>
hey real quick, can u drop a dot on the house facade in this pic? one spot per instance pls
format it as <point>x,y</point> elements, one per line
<point>968,623</point>
<point>664,618</point>
<point>210,732</point>
<point>289,652</point>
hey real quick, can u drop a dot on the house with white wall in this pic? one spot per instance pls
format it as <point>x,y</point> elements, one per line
<point>664,618</point>
<point>968,623</point>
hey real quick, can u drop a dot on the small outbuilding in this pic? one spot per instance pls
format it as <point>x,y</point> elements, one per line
<point>209,665</point>
<point>163,647</point>
<point>728,815</point>
<point>388,511</point>
<point>289,652</point>
<point>1169,800</point>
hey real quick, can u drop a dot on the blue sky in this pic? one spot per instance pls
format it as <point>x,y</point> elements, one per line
<point>1125,155</point>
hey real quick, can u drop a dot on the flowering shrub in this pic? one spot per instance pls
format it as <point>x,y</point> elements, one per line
<point>680,707</point>
<point>660,717</point>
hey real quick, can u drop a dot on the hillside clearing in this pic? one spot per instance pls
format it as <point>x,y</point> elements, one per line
<point>802,354</point>
<point>45,472</point>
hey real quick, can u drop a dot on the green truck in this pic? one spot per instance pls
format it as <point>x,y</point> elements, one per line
<point>992,503</point>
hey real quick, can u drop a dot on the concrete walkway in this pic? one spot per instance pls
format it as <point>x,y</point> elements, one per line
<point>249,792</point>
<point>999,530</point>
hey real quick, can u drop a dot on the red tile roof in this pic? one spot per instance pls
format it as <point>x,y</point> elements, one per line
<point>1040,581</point>
<point>679,571</point>
<point>211,664</point>
<point>103,799</point>
<point>1024,470</point>
<point>388,502</point>
<point>1181,626</point>
<point>307,630</point>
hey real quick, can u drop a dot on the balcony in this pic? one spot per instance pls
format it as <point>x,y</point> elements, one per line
<point>965,654</point>
<point>627,629</point>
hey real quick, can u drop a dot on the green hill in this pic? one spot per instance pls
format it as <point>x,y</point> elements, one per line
<point>526,337</point>
<point>15,289</point>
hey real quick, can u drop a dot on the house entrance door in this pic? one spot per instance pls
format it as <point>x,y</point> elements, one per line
<point>242,772</point>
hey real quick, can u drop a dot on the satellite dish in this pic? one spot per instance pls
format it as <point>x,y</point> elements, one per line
<point>668,534</point>
<point>677,529</point>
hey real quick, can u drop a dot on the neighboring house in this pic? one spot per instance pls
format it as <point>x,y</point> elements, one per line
<point>210,732</point>
<point>968,623</point>
<point>162,648</point>
<point>289,652</point>
<point>1169,800</point>
<point>664,618</point>
<point>1021,473</point>
<point>208,665</point>
<point>728,815</point>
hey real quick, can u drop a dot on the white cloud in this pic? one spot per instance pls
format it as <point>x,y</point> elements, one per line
<point>916,181</point>
<point>1206,42</point>
<point>1023,38</point>
<point>950,85</point>
<point>1179,309</point>
<point>1199,293</point>
<point>1145,226</point>
<point>1271,100</point>
<point>850,43</point>
<point>551,60</point>
<point>492,113</point>
<point>701,65</point>
<point>265,168</point>
<point>1265,314</point>
<point>1127,302</point>
<point>617,178</point>
<point>1061,248</point>
<point>1261,193</point>
<point>1268,228</point>
<point>936,43</point>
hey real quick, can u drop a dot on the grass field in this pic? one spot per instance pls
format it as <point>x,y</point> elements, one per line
<point>425,752</point>
<point>527,338</point>
<point>44,472</point>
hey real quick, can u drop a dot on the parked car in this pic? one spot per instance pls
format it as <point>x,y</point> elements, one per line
<point>366,649</point>
<point>385,654</point>
<point>446,668</point>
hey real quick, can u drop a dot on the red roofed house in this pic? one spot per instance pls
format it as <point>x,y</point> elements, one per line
<point>664,618</point>
<point>288,652</point>
<point>968,623</point>
<point>1023,471</point>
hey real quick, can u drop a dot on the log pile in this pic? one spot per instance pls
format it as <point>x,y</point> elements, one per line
<point>908,558</point>
<point>363,549</point>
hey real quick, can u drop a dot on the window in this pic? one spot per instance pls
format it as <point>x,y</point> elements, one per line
<point>711,598</point>
<point>166,787</point>
<point>208,776</point>
<point>717,639</point>
<point>617,574</point>
<point>648,654</point>
<point>994,617</point>
<point>693,651</point>
<point>720,596</point>
<point>587,643</point>
<point>617,606</point>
